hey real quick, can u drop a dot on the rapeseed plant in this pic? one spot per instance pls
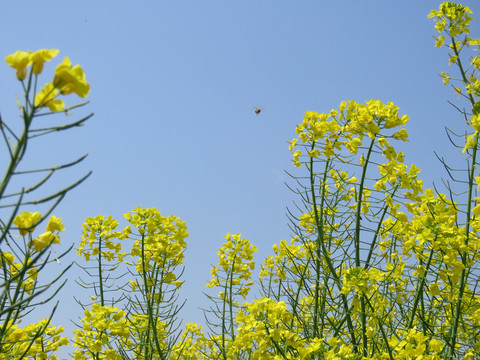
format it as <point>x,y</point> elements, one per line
<point>25,257</point>
<point>148,293</point>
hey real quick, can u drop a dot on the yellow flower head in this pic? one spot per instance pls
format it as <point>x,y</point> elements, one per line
<point>26,222</point>
<point>44,240</point>
<point>19,61</point>
<point>55,224</point>
<point>452,17</point>
<point>39,57</point>
<point>70,79</point>
<point>46,98</point>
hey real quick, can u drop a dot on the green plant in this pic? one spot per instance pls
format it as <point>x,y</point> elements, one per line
<point>24,258</point>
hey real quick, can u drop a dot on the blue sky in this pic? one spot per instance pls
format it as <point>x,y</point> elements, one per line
<point>173,88</point>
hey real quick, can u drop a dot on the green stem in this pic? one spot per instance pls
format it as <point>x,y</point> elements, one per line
<point>377,232</point>
<point>100,276</point>
<point>230,297</point>
<point>419,292</point>
<point>324,253</point>
<point>463,254</point>
<point>151,321</point>
<point>363,315</point>
<point>227,294</point>
<point>17,155</point>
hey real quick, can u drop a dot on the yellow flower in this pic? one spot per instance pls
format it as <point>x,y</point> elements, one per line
<point>296,156</point>
<point>169,278</point>
<point>133,284</point>
<point>55,224</point>
<point>17,334</point>
<point>26,222</point>
<point>471,141</point>
<point>44,240</point>
<point>436,345</point>
<point>470,354</point>
<point>46,97</point>
<point>70,79</point>
<point>7,257</point>
<point>401,135</point>
<point>19,61</point>
<point>39,57</point>
<point>476,210</point>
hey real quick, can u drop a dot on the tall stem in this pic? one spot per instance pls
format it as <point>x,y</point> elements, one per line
<point>324,253</point>
<point>471,180</point>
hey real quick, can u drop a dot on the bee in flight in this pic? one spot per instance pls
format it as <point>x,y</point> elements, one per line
<point>257,110</point>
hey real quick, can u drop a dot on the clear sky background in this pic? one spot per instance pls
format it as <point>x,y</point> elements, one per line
<point>173,88</point>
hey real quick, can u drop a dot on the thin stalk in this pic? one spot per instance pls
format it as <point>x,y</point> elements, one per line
<point>15,160</point>
<point>363,315</point>
<point>100,272</point>
<point>319,239</point>
<point>227,287</point>
<point>232,334</point>
<point>419,292</point>
<point>319,224</point>
<point>377,232</point>
<point>151,322</point>
<point>471,181</point>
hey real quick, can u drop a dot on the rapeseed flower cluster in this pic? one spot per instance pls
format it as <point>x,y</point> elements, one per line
<point>194,344</point>
<point>26,223</point>
<point>24,272</point>
<point>47,341</point>
<point>161,242</point>
<point>24,258</point>
<point>233,277</point>
<point>265,332</point>
<point>346,128</point>
<point>102,326</point>
<point>20,281</point>
<point>157,244</point>
<point>68,78</point>
<point>236,265</point>
<point>98,237</point>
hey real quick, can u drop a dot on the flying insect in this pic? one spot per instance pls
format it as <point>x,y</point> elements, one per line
<point>257,110</point>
